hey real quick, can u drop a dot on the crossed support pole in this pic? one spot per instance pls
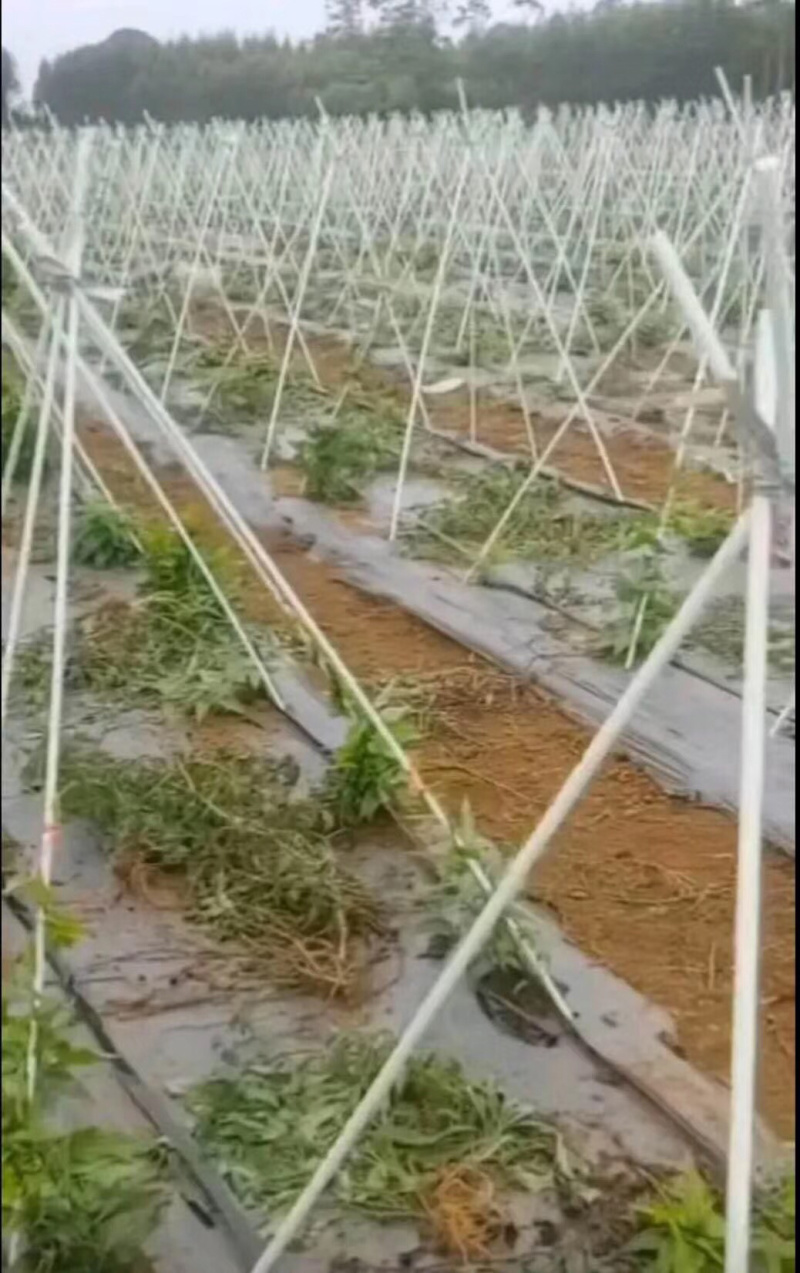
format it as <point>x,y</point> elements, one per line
<point>753,529</point>
<point>752,532</point>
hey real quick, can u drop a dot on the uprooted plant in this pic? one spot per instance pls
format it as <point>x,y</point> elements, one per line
<point>73,1201</point>
<point>442,1152</point>
<point>258,868</point>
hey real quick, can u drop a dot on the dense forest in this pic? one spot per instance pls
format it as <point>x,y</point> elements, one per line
<point>402,60</point>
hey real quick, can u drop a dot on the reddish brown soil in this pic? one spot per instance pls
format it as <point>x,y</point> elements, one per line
<point>643,463</point>
<point>642,881</point>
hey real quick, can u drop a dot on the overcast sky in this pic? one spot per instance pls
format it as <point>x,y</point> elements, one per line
<point>33,29</point>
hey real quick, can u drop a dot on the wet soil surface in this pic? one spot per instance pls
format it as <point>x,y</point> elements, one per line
<point>178,1007</point>
<point>641,881</point>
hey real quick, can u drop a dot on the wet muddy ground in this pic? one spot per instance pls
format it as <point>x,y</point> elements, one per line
<point>642,881</point>
<point>180,1009</point>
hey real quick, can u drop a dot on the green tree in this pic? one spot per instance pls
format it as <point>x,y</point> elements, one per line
<point>627,52</point>
<point>344,18</point>
<point>11,84</point>
<point>475,15</point>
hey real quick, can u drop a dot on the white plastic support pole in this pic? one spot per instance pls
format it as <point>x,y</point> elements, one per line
<point>511,883</point>
<point>294,322</point>
<point>50,829</point>
<point>31,508</point>
<point>748,896</point>
<point>271,576</point>
<point>768,176</point>
<point>747,931</point>
<point>24,418</point>
<point>397,502</point>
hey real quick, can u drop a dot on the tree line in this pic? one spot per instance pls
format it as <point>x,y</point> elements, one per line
<point>402,61</point>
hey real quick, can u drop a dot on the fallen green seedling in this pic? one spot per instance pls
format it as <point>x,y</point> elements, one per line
<point>367,778</point>
<point>340,459</point>
<point>105,538</point>
<point>254,866</point>
<point>457,898</point>
<point>701,528</point>
<point>174,645</point>
<point>33,670</point>
<point>270,1125</point>
<point>548,525</point>
<point>645,608</point>
<point>13,393</point>
<point>683,1230</point>
<point>245,387</point>
<point>74,1201</point>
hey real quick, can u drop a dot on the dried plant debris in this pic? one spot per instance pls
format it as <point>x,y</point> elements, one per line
<point>443,1152</point>
<point>259,869</point>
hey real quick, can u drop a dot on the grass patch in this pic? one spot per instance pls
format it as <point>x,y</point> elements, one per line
<point>341,458</point>
<point>258,868</point>
<point>270,1126</point>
